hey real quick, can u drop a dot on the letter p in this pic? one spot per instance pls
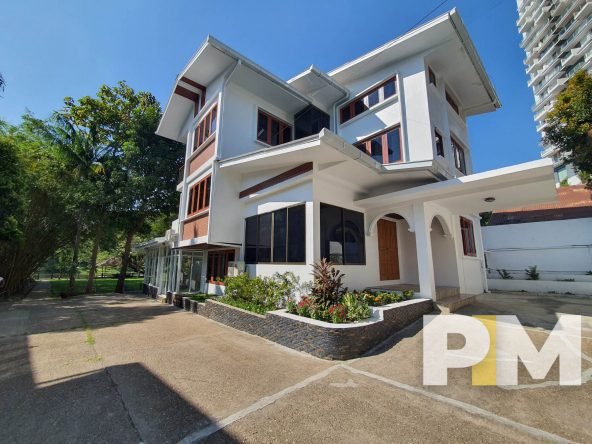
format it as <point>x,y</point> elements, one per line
<point>437,358</point>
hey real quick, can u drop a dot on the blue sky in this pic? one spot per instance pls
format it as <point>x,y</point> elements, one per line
<point>52,49</point>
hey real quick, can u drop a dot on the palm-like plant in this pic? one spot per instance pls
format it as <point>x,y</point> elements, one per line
<point>85,159</point>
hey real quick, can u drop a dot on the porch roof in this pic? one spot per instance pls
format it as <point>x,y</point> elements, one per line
<point>336,156</point>
<point>526,183</point>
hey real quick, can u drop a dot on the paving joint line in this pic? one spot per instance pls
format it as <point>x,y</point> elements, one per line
<point>216,426</point>
<point>467,407</point>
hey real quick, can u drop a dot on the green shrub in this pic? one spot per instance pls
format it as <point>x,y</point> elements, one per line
<point>532,273</point>
<point>504,274</point>
<point>264,293</point>
<point>357,308</point>
<point>200,297</point>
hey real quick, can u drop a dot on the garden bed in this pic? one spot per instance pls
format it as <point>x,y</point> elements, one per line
<point>319,338</point>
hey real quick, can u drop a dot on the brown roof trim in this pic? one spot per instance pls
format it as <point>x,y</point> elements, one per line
<point>184,92</point>
<point>286,175</point>
<point>198,86</point>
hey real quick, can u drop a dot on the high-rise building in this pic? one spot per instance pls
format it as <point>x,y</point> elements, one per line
<point>557,39</point>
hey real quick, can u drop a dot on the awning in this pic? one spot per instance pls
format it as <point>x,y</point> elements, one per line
<point>522,184</point>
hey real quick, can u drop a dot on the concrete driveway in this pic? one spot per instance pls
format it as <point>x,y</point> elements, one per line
<point>112,368</point>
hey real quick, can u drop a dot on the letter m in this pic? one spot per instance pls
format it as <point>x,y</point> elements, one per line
<point>563,343</point>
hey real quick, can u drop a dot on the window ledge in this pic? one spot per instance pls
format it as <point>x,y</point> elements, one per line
<point>202,147</point>
<point>375,108</point>
<point>197,215</point>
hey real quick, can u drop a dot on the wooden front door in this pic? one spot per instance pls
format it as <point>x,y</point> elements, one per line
<point>388,251</point>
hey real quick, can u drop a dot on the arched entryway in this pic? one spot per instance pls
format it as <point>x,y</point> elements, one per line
<point>444,255</point>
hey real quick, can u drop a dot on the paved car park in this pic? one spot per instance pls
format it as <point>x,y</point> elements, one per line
<point>113,368</point>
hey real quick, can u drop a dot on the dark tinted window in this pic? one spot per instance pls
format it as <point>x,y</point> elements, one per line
<point>439,143</point>
<point>264,238</point>
<point>296,234</point>
<point>280,226</point>
<point>331,234</point>
<point>276,237</point>
<point>262,127</point>
<point>390,88</point>
<point>353,234</point>
<point>376,148</point>
<point>373,98</point>
<point>251,240</point>
<point>394,145</point>
<point>342,235</point>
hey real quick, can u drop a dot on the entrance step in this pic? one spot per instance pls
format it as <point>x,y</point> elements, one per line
<point>447,292</point>
<point>441,292</point>
<point>451,304</point>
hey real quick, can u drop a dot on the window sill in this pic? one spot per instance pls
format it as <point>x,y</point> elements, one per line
<point>375,108</point>
<point>202,147</point>
<point>201,213</point>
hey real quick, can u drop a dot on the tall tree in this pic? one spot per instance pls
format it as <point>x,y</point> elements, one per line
<point>570,123</point>
<point>36,222</point>
<point>85,159</point>
<point>144,179</point>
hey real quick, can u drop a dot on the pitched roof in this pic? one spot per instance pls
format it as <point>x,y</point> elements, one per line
<point>573,202</point>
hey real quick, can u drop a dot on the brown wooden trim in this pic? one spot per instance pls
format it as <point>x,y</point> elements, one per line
<point>193,83</point>
<point>286,175</point>
<point>383,135</point>
<point>361,96</point>
<point>184,92</point>
<point>199,215</point>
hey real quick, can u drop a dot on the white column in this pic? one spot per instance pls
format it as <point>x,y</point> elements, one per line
<point>423,243</point>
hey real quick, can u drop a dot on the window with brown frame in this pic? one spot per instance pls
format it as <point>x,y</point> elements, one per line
<point>205,128</point>
<point>439,143</point>
<point>384,147</point>
<point>199,196</point>
<point>432,77</point>
<point>218,264</point>
<point>468,237</point>
<point>272,130</point>
<point>452,103</point>
<point>459,156</point>
<point>376,95</point>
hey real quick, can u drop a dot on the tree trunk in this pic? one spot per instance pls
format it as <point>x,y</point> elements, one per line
<point>125,257</point>
<point>93,258</point>
<point>74,266</point>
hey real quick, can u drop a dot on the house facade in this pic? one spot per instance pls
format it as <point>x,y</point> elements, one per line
<point>368,165</point>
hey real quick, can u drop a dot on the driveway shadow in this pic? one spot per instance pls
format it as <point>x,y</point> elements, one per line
<point>119,403</point>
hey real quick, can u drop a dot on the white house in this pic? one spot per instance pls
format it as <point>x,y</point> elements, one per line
<point>368,165</point>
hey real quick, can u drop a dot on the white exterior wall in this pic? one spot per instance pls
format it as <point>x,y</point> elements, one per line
<point>239,119</point>
<point>558,248</point>
<point>447,122</point>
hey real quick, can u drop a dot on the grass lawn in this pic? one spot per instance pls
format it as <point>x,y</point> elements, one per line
<point>101,285</point>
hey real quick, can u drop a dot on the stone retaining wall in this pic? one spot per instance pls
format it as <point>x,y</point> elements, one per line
<point>321,339</point>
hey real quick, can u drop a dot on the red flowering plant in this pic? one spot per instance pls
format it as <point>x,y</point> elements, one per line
<point>338,313</point>
<point>303,307</point>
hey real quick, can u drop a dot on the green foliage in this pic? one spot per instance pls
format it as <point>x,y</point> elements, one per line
<point>504,274</point>
<point>570,122</point>
<point>245,305</point>
<point>357,307</point>
<point>60,287</point>
<point>532,273</point>
<point>199,297</point>
<point>327,288</point>
<point>385,297</point>
<point>564,183</point>
<point>265,293</point>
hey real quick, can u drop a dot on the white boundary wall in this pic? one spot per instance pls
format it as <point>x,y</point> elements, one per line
<point>560,249</point>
